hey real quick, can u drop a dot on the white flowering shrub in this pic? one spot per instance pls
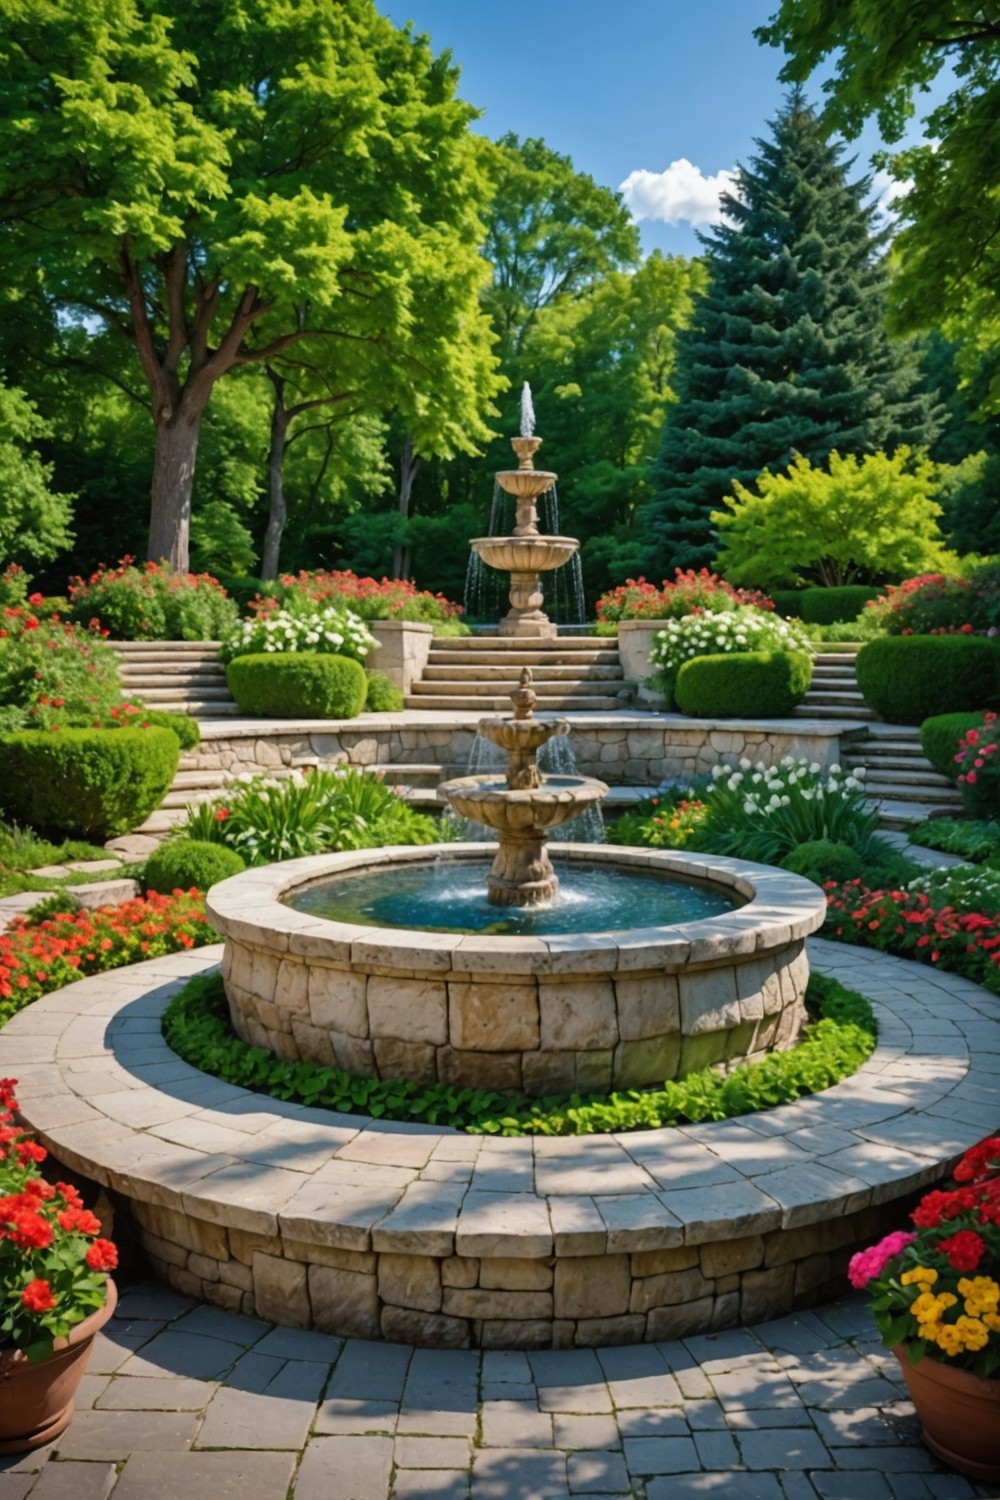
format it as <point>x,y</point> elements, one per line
<point>745,629</point>
<point>332,630</point>
<point>764,812</point>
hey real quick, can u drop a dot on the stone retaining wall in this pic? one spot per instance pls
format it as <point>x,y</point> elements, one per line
<point>507,1301</point>
<point>621,749</point>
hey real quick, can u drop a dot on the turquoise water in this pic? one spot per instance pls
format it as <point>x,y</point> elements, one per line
<point>450,896</point>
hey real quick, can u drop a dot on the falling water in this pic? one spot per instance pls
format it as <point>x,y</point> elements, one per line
<point>527,412</point>
<point>486,589</point>
<point>555,758</point>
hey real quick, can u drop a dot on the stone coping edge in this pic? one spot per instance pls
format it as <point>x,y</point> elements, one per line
<point>236,728</point>
<point>105,1094</point>
<point>779,908</point>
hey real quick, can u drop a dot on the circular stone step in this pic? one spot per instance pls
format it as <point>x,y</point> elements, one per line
<point>425,1235</point>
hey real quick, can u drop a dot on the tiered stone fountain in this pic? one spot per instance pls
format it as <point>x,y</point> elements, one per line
<point>522,807</point>
<point>528,553</point>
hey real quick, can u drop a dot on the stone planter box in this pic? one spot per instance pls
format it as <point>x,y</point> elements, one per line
<point>401,650</point>
<point>635,640</point>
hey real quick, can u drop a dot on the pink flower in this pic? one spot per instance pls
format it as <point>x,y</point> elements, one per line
<point>868,1264</point>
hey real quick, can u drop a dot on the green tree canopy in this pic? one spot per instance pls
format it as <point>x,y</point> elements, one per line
<point>884,53</point>
<point>217,183</point>
<point>787,351</point>
<point>858,520</point>
<point>34,519</point>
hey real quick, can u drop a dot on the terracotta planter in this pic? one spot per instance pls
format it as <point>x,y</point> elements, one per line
<point>36,1400</point>
<point>959,1415</point>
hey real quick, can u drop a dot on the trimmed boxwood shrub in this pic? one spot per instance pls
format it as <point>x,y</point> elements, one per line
<point>822,860</point>
<point>939,737</point>
<point>182,863</point>
<point>907,679</point>
<point>297,685</point>
<point>826,606</point>
<point>384,697</point>
<point>91,783</point>
<point>743,685</point>
<point>788,602</point>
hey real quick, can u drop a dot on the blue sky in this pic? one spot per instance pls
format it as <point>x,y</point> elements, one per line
<point>621,86</point>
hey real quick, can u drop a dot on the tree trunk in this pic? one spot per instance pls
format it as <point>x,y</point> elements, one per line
<point>409,463</point>
<point>173,477</point>
<point>277,509</point>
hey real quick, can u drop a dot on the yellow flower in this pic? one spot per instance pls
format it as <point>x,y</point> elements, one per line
<point>928,1309</point>
<point>973,1333</point>
<point>921,1276</point>
<point>992,1320</point>
<point>948,1338</point>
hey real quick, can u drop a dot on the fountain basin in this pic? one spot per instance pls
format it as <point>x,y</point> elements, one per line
<point>544,1014</point>
<point>525,554</point>
<point>526,484</point>
<point>488,800</point>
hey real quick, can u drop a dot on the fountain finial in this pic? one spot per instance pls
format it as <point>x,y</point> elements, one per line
<point>524,697</point>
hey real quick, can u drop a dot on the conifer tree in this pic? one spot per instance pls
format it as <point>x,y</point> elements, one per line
<point>788,350</point>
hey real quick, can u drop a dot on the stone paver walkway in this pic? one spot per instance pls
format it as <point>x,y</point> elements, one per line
<point>194,1403</point>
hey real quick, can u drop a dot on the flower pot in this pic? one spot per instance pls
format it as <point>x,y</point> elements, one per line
<point>36,1400</point>
<point>959,1415</point>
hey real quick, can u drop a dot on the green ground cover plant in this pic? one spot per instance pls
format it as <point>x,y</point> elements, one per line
<point>308,812</point>
<point>383,696</point>
<point>840,1038</point>
<point>976,841</point>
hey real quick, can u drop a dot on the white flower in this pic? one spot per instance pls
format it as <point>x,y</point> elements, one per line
<point>744,764</point>
<point>815,768</point>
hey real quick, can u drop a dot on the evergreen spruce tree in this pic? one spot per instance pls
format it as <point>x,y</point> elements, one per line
<point>787,351</point>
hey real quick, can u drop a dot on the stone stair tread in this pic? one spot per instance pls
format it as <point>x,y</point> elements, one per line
<point>461,672</point>
<point>542,644</point>
<point>449,687</point>
<point>912,765</point>
<point>899,792</point>
<point>462,704</point>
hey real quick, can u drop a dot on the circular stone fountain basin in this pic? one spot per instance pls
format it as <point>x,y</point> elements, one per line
<point>525,554</point>
<point>543,1013</point>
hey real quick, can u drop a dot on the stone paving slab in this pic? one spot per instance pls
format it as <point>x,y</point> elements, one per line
<point>780,1411</point>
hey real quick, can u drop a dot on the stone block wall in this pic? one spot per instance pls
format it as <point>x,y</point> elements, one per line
<point>497,1301</point>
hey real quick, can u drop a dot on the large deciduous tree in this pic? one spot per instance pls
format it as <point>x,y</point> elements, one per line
<point>34,518</point>
<point>787,351</point>
<point>884,54</point>
<point>218,182</point>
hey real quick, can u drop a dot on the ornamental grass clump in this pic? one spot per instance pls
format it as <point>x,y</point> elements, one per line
<point>308,812</point>
<point>935,1289</point>
<point>333,629</point>
<point>763,812</point>
<point>54,1262</point>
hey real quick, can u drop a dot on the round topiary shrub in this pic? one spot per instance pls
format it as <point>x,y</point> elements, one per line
<point>939,737</point>
<point>384,697</point>
<point>827,606</point>
<point>298,685</point>
<point>907,679</point>
<point>182,863</point>
<point>87,783</point>
<point>744,685</point>
<point>822,860</point>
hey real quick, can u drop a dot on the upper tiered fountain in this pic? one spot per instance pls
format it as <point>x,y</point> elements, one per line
<point>528,553</point>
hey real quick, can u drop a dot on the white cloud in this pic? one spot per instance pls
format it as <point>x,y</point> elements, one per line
<point>682,192</point>
<point>888,193</point>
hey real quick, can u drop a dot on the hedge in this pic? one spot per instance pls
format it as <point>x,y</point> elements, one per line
<point>788,602</point>
<point>179,864</point>
<point>939,737</point>
<point>90,783</point>
<point>907,679</point>
<point>298,685</point>
<point>823,859</point>
<point>743,685</point>
<point>828,606</point>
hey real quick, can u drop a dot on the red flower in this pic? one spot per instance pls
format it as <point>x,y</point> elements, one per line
<point>30,1231</point>
<point>102,1256</point>
<point>37,1296</point>
<point>964,1250</point>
